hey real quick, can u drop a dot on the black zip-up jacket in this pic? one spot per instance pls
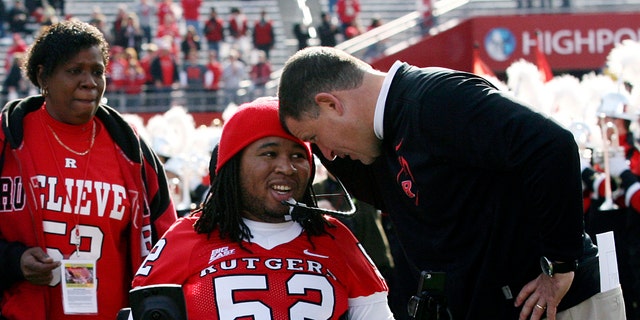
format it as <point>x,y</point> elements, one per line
<point>478,186</point>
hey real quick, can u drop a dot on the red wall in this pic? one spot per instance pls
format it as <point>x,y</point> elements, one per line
<point>569,41</point>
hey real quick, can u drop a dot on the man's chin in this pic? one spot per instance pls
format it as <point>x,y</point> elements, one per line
<point>367,161</point>
<point>279,213</point>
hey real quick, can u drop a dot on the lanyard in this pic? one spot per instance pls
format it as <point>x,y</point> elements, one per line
<point>76,215</point>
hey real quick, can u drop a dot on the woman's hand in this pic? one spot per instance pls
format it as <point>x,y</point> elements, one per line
<point>37,266</point>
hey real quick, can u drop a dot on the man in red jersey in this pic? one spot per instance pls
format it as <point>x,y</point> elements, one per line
<point>244,255</point>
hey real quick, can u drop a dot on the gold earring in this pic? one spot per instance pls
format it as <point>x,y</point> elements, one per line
<point>45,92</point>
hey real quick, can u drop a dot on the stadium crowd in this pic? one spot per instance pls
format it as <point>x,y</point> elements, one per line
<point>168,52</point>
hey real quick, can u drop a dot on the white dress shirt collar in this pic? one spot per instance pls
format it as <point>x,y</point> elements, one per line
<point>378,117</point>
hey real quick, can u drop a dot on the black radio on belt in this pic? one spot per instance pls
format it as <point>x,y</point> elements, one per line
<point>429,303</point>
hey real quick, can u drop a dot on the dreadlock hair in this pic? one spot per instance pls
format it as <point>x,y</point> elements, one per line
<point>223,206</point>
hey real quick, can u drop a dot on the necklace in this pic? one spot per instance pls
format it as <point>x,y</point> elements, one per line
<point>93,139</point>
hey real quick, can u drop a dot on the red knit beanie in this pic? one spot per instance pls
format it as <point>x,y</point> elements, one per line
<point>253,121</point>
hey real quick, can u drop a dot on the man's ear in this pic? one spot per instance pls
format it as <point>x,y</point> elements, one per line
<point>330,101</point>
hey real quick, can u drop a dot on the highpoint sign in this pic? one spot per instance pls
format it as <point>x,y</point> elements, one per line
<point>569,41</point>
<point>572,41</point>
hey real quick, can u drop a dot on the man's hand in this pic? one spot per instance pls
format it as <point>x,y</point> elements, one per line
<point>37,266</point>
<point>543,295</point>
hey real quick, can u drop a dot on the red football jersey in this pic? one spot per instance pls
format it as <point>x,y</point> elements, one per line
<point>283,277</point>
<point>92,196</point>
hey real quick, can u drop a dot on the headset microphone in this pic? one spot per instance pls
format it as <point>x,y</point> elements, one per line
<point>299,211</point>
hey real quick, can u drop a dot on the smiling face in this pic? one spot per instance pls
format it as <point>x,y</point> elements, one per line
<point>272,170</point>
<point>76,87</point>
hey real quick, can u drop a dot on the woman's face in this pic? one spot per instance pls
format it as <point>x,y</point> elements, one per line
<point>76,87</point>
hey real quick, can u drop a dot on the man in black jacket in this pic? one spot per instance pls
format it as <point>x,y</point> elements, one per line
<point>478,185</point>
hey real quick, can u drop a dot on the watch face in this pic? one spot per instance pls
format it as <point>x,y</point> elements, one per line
<point>546,266</point>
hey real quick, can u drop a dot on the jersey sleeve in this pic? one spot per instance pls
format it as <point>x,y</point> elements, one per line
<point>168,261</point>
<point>364,277</point>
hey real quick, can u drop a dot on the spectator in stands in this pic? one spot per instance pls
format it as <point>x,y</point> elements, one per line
<point>214,30</point>
<point>165,74</point>
<point>96,14</point>
<point>170,29</point>
<point>17,18</point>
<point>15,85</point>
<point>327,31</point>
<point>135,78</point>
<point>238,28</point>
<point>18,45</point>
<point>119,22</point>
<point>166,7</point>
<point>194,74</point>
<point>375,22</point>
<point>190,43</point>
<point>45,16</point>
<point>99,20</point>
<point>116,77</point>
<point>234,72</point>
<point>145,9</point>
<point>191,14</point>
<point>348,12</point>
<point>148,55</point>
<point>353,29</point>
<point>212,79</point>
<point>132,34</point>
<point>260,74</point>
<point>427,19</point>
<point>301,32</point>
<point>263,36</point>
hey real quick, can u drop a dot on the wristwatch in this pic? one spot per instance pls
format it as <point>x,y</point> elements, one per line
<point>550,268</point>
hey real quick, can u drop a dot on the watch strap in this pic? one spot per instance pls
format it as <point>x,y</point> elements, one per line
<point>565,266</point>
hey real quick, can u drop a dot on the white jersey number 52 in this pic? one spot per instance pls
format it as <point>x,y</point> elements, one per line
<point>298,284</point>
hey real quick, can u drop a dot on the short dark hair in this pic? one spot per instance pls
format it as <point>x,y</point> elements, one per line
<point>59,43</point>
<point>313,70</point>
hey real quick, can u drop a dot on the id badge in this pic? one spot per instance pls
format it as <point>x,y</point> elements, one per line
<point>79,287</point>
